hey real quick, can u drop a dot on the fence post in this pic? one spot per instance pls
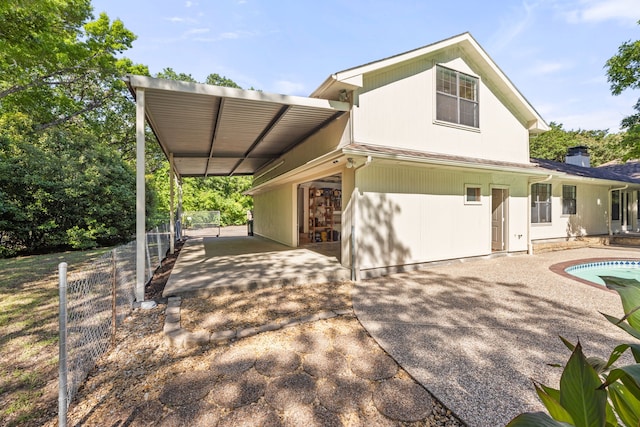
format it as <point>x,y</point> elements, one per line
<point>114,296</point>
<point>159,241</point>
<point>62,356</point>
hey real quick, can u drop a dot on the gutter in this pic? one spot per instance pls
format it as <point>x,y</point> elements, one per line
<point>609,219</point>
<point>531,182</point>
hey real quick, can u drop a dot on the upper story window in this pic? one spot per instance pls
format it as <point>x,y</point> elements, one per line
<point>456,97</point>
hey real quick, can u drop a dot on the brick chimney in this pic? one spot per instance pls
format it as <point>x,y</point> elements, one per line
<point>578,156</point>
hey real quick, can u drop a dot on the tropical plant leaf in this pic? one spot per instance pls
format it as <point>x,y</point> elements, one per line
<point>626,405</point>
<point>612,419</point>
<point>535,419</point>
<point>580,392</point>
<point>553,405</point>
<point>629,291</point>
<point>630,377</point>
<point>554,393</point>
<point>622,325</point>
<point>567,343</point>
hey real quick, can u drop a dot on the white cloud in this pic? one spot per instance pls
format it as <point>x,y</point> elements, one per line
<point>188,4</point>
<point>289,87</point>
<point>179,20</point>
<point>513,25</point>
<point>627,11</point>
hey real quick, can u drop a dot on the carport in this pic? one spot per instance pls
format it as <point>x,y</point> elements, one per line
<point>207,130</point>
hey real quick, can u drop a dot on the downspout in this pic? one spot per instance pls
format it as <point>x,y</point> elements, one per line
<point>355,272</point>
<point>609,219</point>
<point>529,244</point>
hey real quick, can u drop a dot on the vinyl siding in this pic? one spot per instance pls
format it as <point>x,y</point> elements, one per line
<point>396,108</point>
<point>407,215</point>
<point>275,214</point>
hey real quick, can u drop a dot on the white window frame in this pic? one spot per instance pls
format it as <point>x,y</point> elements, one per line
<point>476,102</point>
<point>575,200</point>
<point>466,194</point>
<point>547,204</point>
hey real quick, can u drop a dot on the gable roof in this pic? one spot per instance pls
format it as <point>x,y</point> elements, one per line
<point>604,173</point>
<point>351,79</point>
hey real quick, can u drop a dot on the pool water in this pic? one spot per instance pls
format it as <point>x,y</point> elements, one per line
<point>626,269</point>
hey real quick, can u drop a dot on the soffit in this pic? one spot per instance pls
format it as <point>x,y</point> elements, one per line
<point>213,130</point>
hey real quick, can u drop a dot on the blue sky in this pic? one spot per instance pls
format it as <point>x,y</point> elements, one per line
<point>554,51</point>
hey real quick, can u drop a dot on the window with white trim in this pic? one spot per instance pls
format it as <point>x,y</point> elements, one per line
<point>456,97</point>
<point>568,200</point>
<point>472,194</point>
<point>540,203</point>
<point>615,205</point>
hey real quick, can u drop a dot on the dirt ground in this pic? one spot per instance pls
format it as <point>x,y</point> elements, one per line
<point>314,373</point>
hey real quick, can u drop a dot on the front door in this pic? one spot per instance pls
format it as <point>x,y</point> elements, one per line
<point>498,218</point>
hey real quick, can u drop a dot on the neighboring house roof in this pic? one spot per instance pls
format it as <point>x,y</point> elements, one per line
<point>604,173</point>
<point>630,168</point>
<point>351,79</point>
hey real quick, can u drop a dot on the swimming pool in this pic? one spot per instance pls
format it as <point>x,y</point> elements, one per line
<point>627,269</point>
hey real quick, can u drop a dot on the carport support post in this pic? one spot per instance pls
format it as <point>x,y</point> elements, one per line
<point>172,221</point>
<point>140,197</point>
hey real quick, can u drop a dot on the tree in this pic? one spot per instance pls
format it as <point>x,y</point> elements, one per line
<point>553,144</point>
<point>623,72</point>
<point>65,127</point>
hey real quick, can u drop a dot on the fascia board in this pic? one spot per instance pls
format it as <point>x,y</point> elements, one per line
<point>136,81</point>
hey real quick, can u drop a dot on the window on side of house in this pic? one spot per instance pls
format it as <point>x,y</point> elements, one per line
<point>540,203</point>
<point>568,200</point>
<point>456,97</point>
<point>472,194</point>
<point>615,205</point>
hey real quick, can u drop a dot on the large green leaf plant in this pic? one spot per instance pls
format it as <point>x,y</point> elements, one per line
<point>594,392</point>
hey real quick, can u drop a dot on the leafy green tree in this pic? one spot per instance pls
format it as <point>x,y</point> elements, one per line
<point>623,72</point>
<point>553,144</point>
<point>66,127</point>
<point>85,198</point>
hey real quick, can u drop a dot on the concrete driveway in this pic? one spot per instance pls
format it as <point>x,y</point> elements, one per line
<point>476,333</point>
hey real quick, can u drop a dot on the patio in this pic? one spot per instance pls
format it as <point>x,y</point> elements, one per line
<point>210,265</point>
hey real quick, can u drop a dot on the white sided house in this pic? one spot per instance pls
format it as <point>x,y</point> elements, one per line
<point>432,163</point>
<point>416,158</point>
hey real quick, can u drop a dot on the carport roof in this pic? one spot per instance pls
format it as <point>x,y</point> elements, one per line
<point>214,130</point>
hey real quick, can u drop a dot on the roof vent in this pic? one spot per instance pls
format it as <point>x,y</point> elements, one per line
<point>578,156</point>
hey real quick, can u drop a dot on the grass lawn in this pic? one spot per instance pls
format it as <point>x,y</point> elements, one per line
<point>29,335</point>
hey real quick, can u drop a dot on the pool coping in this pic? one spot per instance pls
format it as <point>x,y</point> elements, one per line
<point>560,268</point>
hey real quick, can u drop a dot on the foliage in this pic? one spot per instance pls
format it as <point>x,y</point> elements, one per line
<point>594,392</point>
<point>66,127</point>
<point>553,144</point>
<point>85,198</point>
<point>623,72</point>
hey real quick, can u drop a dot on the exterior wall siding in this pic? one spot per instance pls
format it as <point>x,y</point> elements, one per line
<point>275,214</point>
<point>396,108</point>
<point>409,214</point>
<point>592,210</point>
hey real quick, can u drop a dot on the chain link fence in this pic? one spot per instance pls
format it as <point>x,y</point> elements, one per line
<point>93,301</point>
<point>201,219</point>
